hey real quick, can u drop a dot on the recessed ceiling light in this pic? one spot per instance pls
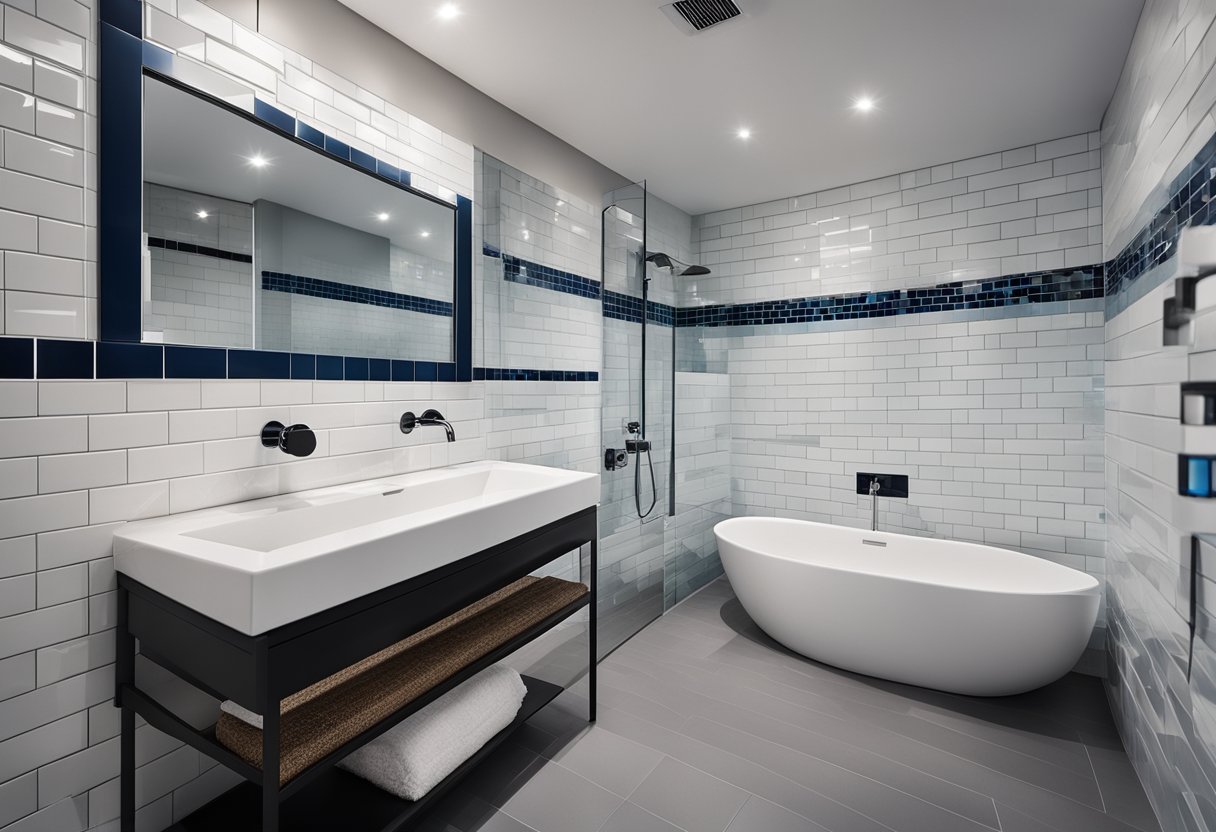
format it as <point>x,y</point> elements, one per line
<point>382,216</point>
<point>744,133</point>
<point>259,161</point>
<point>864,104</point>
<point>424,233</point>
<point>202,215</point>
<point>448,11</point>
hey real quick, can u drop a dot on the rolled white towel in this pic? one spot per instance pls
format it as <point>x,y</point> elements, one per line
<point>411,758</point>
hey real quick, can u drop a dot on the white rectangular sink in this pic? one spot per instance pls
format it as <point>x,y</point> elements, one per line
<point>258,565</point>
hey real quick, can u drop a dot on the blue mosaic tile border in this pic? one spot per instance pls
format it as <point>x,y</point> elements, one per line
<point>206,251</point>
<point>500,374</point>
<point>528,273</point>
<point>332,290</point>
<point>60,359</point>
<point>1011,290</point>
<point>623,307</point>
<point>1189,202</point>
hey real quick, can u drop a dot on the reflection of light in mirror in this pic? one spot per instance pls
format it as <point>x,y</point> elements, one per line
<point>744,133</point>
<point>424,234</point>
<point>258,161</point>
<point>864,104</point>
<point>448,11</point>
<point>526,236</point>
<point>201,214</point>
<point>382,216</point>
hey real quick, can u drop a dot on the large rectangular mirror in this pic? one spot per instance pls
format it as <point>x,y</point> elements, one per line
<point>253,239</point>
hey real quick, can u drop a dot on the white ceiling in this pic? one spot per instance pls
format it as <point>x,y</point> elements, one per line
<point>616,79</point>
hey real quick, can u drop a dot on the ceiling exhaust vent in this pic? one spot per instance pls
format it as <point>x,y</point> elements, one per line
<point>701,14</point>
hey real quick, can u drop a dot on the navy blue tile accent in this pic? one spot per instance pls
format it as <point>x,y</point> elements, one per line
<point>1188,202</point>
<point>517,270</point>
<point>126,15</point>
<point>447,372</point>
<point>403,370</point>
<point>117,359</point>
<point>258,364</point>
<point>1011,290</point>
<point>464,289</point>
<point>426,371</point>
<point>64,359</point>
<point>515,374</point>
<point>337,148</point>
<point>406,178</point>
<point>363,160</point>
<point>16,357</point>
<point>379,369</point>
<point>273,116</point>
<point>387,171</point>
<point>356,369</point>
<point>331,290</point>
<point>490,251</point>
<point>629,308</point>
<point>310,134</point>
<point>330,367</point>
<point>159,59</point>
<point>120,177</point>
<point>192,248</point>
<point>196,362</point>
<point>303,365</point>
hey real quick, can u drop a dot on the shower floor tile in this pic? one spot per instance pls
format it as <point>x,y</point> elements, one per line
<point>707,725</point>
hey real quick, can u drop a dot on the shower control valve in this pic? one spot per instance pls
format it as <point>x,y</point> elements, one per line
<point>634,446</point>
<point>615,458</point>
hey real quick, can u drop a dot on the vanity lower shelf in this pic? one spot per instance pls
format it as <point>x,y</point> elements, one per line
<point>338,800</point>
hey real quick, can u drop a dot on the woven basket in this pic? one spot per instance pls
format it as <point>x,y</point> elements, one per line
<point>324,716</point>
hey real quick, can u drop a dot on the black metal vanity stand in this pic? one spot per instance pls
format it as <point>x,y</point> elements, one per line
<point>259,671</point>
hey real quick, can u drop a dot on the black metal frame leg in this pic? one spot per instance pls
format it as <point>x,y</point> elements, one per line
<point>124,676</point>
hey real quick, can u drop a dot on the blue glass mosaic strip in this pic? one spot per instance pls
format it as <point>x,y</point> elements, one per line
<point>118,359</point>
<point>332,290</point>
<point>16,357</point>
<point>623,307</point>
<point>206,251</point>
<point>502,374</point>
<point>1189,202</point>
<point>490,251</point>
<point>518,270</point>
<point>1013,290</point>
<point>64,359</point>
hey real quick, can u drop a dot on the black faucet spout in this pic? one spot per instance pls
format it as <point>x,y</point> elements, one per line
<point>428,418</point>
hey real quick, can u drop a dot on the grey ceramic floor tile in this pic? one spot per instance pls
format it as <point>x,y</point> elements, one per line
<point>690,799</point>
<point>460,812</point>
<point>610,761</point>
<point>1122,794</point>
<point>759,815</point>
<point>556,799</point>
<point>887,805</point>
<point>630,817</point>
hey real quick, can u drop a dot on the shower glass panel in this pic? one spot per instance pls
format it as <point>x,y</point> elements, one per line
<point>634,500</point>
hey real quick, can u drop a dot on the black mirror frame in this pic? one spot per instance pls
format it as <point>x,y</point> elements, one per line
<point>125,58</point>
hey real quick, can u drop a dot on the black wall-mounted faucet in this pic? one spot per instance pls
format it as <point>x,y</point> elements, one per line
<point>429,417</point>
<point>297,440</point>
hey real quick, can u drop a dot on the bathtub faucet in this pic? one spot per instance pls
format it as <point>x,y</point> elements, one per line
<point>874,489</point>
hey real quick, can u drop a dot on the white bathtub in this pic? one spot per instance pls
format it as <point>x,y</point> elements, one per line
<point>958,617</point>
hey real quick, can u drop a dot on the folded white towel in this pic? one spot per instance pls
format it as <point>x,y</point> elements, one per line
<point>243,714</point>
<point>411,758</point>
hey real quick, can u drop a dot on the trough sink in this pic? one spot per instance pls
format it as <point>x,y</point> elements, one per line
<point>261,564</point>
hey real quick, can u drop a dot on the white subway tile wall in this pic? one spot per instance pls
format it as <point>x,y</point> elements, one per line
<point>1030,209</point>
<point>79,458</point>
<point>1161,115</point>
<point>996,415</point>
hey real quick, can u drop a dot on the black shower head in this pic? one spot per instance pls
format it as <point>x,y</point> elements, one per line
<point>666,261</point>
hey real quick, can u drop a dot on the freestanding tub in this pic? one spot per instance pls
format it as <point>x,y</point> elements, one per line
<point>958,617</point>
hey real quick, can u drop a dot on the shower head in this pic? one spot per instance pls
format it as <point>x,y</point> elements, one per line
<point>666,261</point>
